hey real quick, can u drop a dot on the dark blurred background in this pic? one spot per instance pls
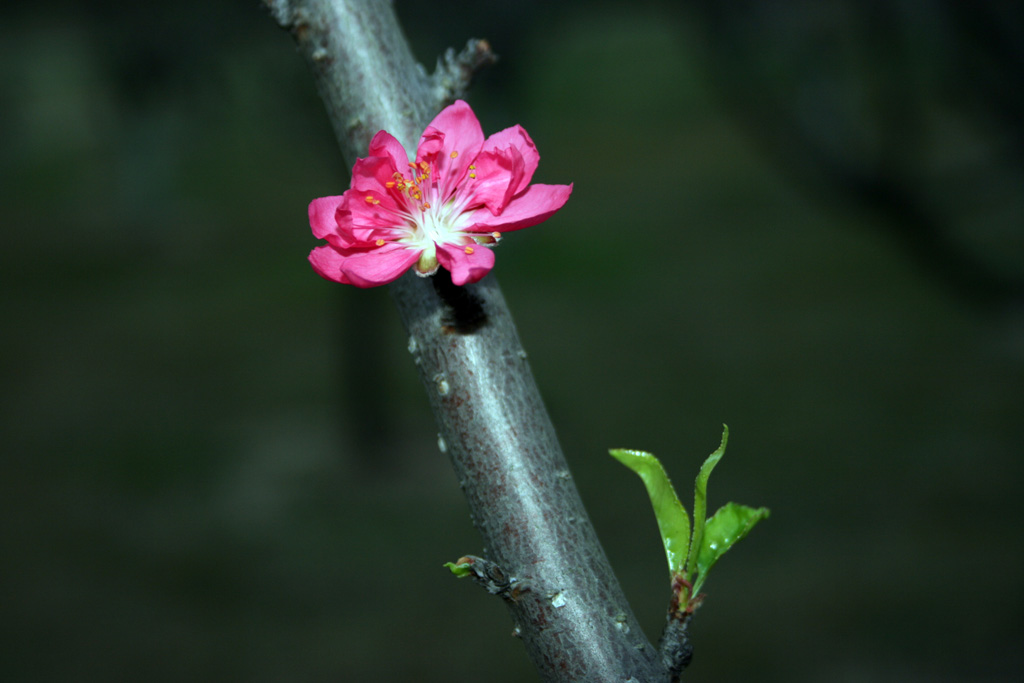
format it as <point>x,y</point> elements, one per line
<point>800,218</point>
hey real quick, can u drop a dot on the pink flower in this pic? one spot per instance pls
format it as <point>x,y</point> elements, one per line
<point>447,208</point>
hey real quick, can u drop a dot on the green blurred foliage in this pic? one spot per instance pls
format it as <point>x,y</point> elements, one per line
<point>801,218</point>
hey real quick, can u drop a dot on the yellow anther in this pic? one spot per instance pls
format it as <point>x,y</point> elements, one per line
<point>469,250</point>
<point>379,242</point>
<point>426,205</point>
<point>389,184</point>
<point>472,166</point>
<point>472,175</point>
<point>453,154</point>
<point>496,235</point>
<point>371,200</point>
<point>424,166</point>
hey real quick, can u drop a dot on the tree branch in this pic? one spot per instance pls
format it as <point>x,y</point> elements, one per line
<point>570,611</point>
<point>567,604</point>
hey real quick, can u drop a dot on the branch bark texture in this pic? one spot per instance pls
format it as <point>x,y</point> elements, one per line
<point>566,602</point>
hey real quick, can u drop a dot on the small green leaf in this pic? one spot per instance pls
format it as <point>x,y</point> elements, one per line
<point>673,522</point>
<point>727,526</point>
<point>691,558</point>
<point>460,570</point>
<point>700,500</point>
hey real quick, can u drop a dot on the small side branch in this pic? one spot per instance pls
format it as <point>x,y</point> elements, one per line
<point>676,649</point>
<point>455,71</point>
<point>492,577</point>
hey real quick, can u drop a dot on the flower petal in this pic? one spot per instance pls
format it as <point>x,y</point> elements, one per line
<point>379,266</point>
<point>384,144</point>
<point>455,130</point>
<point>323,215</point>
<point>465,267</point>
<point>326,262</point>
<point>497,175</point>
<point>360,222</point>
<point>461,128</point>
<point>531,207</point>
<point>518,139</point>
<point>372,175</point>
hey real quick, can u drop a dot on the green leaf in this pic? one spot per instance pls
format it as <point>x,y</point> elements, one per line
<point>700,498</point>
<point>460,570</point>
<point>673,522</point>
<point>691,558</point>
<point>727,526</point>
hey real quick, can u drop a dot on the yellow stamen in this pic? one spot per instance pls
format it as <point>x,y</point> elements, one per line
<point>469,250</point>
<point>426,205</point>
<point>371,200</point>
<point>390,184</point>
<point>453,154</point>
<point>496,235</point>
<point>379,242</point>
<point>472,175</point>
